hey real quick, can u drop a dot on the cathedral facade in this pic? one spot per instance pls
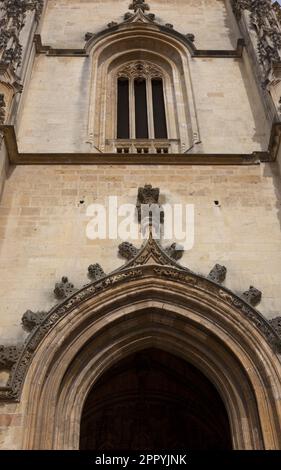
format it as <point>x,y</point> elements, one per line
<point>118,329</point>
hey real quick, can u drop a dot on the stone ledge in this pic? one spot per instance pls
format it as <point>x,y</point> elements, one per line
<point>17,158</point>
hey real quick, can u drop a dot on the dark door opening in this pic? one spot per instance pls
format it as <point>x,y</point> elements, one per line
<point>154,400</point>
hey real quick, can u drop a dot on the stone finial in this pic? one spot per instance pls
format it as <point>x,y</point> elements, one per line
<point>148,196</point>
<point>276,324</point>
<point>252,296</point>
<point>218,273</point>
<point>127,250</point>
<point>32,319</point>
<point>9,356</point>
<point>63,289</point>
<point>175,251</point>
<point>139,5</point>
<point>95,271</point>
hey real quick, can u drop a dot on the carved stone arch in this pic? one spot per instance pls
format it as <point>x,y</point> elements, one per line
<point>161,312</point>
<point>141,40</point>
<point>150,302</point>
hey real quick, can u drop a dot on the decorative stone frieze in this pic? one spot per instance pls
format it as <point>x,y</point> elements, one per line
<point>252,296</point>
<point>218,273</point>
<point>95,271</point>
<point>63,289</point>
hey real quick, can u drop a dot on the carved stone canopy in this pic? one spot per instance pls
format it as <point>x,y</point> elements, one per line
<point>139,7</point>
<point>151,261</point>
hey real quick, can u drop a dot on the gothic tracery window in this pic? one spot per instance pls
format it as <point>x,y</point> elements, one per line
<point>140,102</point>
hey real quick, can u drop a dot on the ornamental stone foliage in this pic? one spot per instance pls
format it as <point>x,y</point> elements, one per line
<point>95,271</point>
<point>264,22</point>
<point>253,296</point>
<point>218,273</point>
<point>12,20</point>
<point>139,7</point>
<point>63,289</point>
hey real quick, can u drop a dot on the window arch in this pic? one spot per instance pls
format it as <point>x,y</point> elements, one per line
<point>141,98</point>
<point>141,112</point>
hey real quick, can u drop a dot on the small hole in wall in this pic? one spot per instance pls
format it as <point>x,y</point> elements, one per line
<point>81,202</point>
<point>217,203</point>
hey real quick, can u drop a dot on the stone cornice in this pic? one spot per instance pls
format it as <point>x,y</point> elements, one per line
<point>204,53</point>
<point>17,158</point>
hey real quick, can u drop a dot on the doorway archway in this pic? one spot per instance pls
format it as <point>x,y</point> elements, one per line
<point>154,400</point>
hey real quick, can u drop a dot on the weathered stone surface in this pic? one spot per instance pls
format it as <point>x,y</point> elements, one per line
<point>63,289</point>
<point>8,356</point>
<point>127,250</point>
<point>252,296</point>
<point>95,271</point>
<point>218,273</point>
<point>175,251</point>
<point>32,319</point>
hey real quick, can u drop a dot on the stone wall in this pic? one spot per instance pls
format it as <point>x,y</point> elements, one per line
<point>67,21</point>
<point>56,112</point>
<point>43,228</point>
<point>57,106</point>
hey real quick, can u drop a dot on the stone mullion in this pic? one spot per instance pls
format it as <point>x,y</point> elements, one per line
<point>132,108</point>
<point>149,108</point>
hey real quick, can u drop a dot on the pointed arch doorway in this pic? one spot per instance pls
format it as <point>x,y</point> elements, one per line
<point>154,400</point>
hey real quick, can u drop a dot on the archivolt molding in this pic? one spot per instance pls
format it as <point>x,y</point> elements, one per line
<point>150,262</point>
